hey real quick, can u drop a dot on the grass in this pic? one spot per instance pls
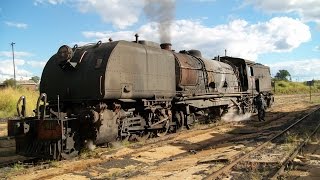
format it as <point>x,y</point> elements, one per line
<point>87,154</point>
<point>291,138</point>
<point>9,98</point>
<point>17,167</point>
<point>9,172</point>
<point>287,87</point>
<point>53,163</point>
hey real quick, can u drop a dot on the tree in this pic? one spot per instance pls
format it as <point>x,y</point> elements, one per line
<point>9,82</point>
<point>283,75</point>
<point>36,79</point>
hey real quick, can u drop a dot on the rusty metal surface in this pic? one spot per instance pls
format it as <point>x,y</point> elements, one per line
<point>254,77</point>
<point>48,129</point>
<point>221,77</point>
<point>139,71</point>
<point>262,74</point>
<point>189,70</point>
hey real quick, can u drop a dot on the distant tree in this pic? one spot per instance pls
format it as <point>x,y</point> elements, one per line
<point>283,75</point>
<point>9,82</point>
<point>36,79</point>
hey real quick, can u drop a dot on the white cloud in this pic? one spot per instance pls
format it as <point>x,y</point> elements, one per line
<point>317,48</point>
<point>17,54</point>
<point>107,34</point>
<point>17,25</point>
<point>121,13</point>
<point>52,2</point>
<point>6,70</point>
<point>301,70</point>
<point>307,9</point>
<point>241,39</point>
<point>36,64</point>
<point>21,65</point>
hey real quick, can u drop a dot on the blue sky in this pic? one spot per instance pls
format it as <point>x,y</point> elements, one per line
<point>282,34</point>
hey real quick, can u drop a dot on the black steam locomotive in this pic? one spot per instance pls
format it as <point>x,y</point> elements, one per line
<point>105,92</point>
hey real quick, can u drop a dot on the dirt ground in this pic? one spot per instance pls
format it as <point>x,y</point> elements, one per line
<point>190,154</point>
<point>3,129</point>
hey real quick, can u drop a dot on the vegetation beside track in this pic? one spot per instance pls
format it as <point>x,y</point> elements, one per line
<point>9,97</point>
<point>288,87</point>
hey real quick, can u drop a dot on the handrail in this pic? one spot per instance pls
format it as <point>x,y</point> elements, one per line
<point>21,113</point>
<point>43,98</point>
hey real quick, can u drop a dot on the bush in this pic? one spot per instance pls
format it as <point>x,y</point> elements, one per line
<point>9,97</point>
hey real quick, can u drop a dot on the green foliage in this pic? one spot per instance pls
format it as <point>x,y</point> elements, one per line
<point>36,79</point>
<point>286,87</point>
<point>9,98</point>
<point>283,75</point>
<point>9,82</point>
<point>17,167</point>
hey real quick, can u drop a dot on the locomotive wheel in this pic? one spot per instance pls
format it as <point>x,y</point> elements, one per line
<point>142,137</point>
<point>164,130</point>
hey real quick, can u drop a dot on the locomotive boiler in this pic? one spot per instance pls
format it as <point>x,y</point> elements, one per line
<point>106,92</point>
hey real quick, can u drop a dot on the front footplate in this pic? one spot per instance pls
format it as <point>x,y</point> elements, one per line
<point>47,138</point>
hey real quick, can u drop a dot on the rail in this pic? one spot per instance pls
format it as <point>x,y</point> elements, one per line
<point>226,169</point>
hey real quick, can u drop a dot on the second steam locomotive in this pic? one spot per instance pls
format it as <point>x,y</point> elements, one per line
<point>109,91</point>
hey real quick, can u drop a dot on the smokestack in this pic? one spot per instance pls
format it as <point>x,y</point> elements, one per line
<point>162,12</point>
<point>137,37</point>
<point>166,46</point>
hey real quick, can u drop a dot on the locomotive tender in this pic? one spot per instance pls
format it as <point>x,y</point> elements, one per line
<point>110,91</point>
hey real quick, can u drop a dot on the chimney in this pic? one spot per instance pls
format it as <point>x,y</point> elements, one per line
<point>137,37</point>
<point>166,46</point>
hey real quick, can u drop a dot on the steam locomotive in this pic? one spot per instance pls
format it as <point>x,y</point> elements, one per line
<point>106,92</point>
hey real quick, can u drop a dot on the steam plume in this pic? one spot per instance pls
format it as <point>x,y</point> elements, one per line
<point>162,12</point>
<point>232,115</point>
<point>90,145</point>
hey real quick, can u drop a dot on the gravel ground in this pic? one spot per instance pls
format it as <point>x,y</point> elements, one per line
<point>190,154</point>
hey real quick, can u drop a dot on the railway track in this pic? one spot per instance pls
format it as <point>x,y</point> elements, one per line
<point>7,152</point>
<point>172,139</point>
<point>298,149</point>
<point>242,162</point>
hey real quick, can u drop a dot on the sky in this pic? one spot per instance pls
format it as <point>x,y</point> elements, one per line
<point>283,34</point>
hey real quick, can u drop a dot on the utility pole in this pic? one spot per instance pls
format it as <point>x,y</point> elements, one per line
<point>14,65</point>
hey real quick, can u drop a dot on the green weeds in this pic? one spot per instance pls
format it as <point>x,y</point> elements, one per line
<point>9,98</point>
<point>287,87</point>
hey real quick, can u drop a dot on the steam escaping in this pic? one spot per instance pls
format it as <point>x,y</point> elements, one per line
<point>90,145</point>
<point>162,12</point>
<point>233,116</point>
